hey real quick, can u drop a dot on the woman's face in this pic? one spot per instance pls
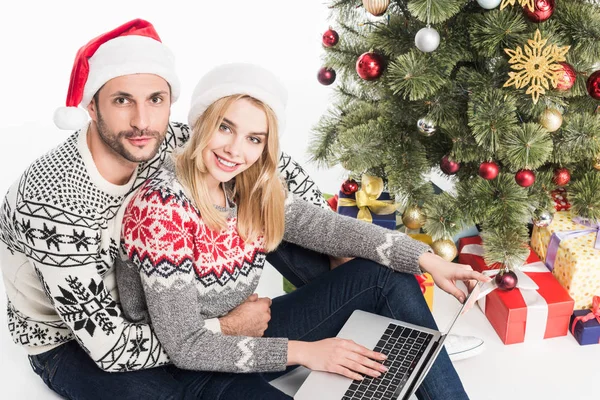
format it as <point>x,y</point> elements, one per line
<point>238,142</point>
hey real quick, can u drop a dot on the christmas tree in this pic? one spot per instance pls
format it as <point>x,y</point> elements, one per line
<point>501,95</point>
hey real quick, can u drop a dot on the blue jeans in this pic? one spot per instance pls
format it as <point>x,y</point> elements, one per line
<point>325,299</point>
<point>315,311</point>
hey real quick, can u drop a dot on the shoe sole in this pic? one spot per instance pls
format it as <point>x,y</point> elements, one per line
<point>472,352</point>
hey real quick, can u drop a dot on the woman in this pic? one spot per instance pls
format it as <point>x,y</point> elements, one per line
<point>196,235</point>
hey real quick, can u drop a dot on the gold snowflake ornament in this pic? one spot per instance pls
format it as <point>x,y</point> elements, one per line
<point>537,65</point>
<point>525,3</point>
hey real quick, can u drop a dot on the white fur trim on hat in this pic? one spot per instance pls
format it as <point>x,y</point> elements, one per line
<point>239,78</point>
<point>70,118</point>
<point>126,55</point>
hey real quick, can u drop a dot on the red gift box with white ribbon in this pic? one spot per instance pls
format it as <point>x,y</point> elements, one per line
<point>539,308</point>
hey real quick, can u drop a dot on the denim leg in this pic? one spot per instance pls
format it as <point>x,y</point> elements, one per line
<point>227,386</point>
<point>297,264</point>
<point>318,310</point>
<point>71,373</point>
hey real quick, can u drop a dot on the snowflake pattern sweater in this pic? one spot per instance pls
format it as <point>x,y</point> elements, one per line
<point>182,276</point>
<point>59,238</point>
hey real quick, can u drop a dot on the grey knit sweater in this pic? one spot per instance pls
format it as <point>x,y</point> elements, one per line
<point>181,276</point>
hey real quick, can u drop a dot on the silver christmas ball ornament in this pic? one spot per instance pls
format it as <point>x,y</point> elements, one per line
<point>426,126</point>
<point>489,4</point>
<point>427,39</point>
<point>542,219</point>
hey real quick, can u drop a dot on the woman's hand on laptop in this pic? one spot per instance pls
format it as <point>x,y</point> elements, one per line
<point>340,356</point>
<point>445,274</point>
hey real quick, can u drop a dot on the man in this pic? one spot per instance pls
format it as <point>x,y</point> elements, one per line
<point>59,224</point>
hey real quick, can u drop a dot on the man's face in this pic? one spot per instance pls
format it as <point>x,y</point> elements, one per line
<point>132,115</point>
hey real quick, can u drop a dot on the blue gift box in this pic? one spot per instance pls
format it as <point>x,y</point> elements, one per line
<point>387,220</point>
<point>585,332</point>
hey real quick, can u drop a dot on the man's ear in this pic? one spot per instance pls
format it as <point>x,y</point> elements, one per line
<point>91,108</point>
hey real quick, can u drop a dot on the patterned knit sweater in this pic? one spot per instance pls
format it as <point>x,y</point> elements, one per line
<point>182,276</point>
<point>59,239</point>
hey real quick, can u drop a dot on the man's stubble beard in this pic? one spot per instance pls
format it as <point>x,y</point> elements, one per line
<point>115,141</point>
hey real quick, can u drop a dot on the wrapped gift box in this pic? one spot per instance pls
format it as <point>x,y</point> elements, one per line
<point>577,264</point>
<point>425,280</point>
<point>587,332</point>
<point>385,220</point>
<point>522,315</point>
<point>471,253</point>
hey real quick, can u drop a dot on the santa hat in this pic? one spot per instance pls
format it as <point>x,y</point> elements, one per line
<point>132,48</point>
<point>239,78</point>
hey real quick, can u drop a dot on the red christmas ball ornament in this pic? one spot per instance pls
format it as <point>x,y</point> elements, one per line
<point>567,77</point>
<point>506,280</point>
<point>488,170</point>
<point>562,176</point>
<point>349,187</point>
<point>593,85</point>
<point>448,166</point>
<point>542,10</point>
<point>330,38</point>
<point>370,66</point>
<point>525,177</point>
<point>326,76</point>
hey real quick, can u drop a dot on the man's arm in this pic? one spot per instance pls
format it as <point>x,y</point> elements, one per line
<point>64,259</point>
<point>298,182</point>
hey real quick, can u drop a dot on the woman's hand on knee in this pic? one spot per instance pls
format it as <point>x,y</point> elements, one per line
<point>340,356</point>
<point>445,274</point>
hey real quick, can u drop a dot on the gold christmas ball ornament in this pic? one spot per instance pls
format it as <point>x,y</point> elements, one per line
<point>413,217</point>
<point>551,119</point>
<point>376,7</point>
<point>445,248</point>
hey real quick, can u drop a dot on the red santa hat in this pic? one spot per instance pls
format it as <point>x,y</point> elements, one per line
<point>132,48</point>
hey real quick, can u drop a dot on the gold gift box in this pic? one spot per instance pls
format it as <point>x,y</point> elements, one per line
<point>577,264</point>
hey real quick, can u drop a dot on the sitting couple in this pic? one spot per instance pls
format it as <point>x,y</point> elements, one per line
<point>181,219</point>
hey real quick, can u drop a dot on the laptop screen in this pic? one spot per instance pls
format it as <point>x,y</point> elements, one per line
<point>462,307</point>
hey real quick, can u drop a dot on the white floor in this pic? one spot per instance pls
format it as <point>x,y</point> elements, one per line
<point>552,369</point>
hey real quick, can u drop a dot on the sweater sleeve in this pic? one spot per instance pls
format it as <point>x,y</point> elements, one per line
<point>159,236</point>
<point>77,289</point>
<point>298,182</point>
<point>327,232</point>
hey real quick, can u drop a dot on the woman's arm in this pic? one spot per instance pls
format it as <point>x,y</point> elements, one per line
<point>327,232</point>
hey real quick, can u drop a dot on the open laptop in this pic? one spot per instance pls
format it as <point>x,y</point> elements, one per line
<point>411,351</point>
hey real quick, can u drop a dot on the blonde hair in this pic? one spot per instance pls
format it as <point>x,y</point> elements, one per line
<point>258,191</point>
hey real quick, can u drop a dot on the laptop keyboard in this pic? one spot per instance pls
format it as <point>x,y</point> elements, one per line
<point>404,348</point>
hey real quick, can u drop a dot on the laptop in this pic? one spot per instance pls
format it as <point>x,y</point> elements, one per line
<point>411,351</point>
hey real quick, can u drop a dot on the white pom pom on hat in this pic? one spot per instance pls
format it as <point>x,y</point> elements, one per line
<point>70,117</point>
<point>239,78</point>
<point>132,48</point>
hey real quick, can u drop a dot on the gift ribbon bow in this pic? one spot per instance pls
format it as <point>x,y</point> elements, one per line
<point>557,237</point>
<point>537,307</point>
<point>366,199</point>
<point>423,283</point>
<point>594,313</point>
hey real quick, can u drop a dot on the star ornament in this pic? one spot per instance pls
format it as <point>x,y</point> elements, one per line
<point>525,3</point>
<point>537,66</point>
